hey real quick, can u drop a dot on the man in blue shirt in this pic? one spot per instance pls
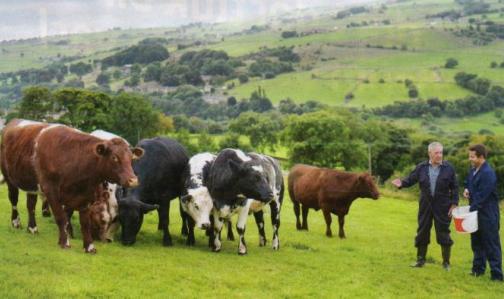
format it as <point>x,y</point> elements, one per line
<point>438,197</point>
<point>481,189</point>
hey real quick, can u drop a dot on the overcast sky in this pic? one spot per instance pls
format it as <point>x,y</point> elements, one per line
<point>31,18</point>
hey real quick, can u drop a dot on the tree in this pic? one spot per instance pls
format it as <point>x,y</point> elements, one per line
<point>243,78</point>
<point>262,129</point>
<point>36,104</point>
<point>103,79</point>
<point>80,68</point>
<point>133,117</point>
<point>259,102</point>
<point>326,139</point>
<point>451,63</point>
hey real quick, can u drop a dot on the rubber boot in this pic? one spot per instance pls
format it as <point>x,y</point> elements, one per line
<point>421,253</point>
<point>445,251</point>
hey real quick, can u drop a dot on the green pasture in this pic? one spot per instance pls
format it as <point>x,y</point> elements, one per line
<point>372,262</point>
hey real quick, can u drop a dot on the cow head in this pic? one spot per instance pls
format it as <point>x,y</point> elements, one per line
<point>368,186</point>
<point>131,212</point>
<point>115,161</point>
<point>251,181</point>
<point>198,204</point>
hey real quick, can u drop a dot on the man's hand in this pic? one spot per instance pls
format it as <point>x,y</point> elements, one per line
<point>451,210</point>
<point>466,193</point>
<point>397,183</point>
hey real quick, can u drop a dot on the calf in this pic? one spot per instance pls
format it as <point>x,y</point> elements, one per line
<point>196,201</point>
<point>235,182</point>
<point>16,160</point>
<point>331,190</point>
<point>160,176</point>
<point>71,164</point>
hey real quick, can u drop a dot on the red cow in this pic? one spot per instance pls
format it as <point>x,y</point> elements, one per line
<point>331,190</point>
<point>16,159</point>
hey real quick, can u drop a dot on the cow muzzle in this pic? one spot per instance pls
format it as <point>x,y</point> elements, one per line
<point>132,182</point>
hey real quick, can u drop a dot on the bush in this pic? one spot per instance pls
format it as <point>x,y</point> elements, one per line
<point>451,63</point>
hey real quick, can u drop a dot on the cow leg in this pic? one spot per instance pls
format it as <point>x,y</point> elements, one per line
<point>216,237</point>
<point>230,235</point>
<point>341,220</point>
<point>275,222</point>
<point>69,213</point>
<point>328,220</point>
<point>45,209</point>
<point>85,223</point>
<point>185,221</point>
<point>31,203</point>
<point>13,197</point>
<point>60,217</point>
<point>240,227</point>
<point>259,219</point>
<point>164,221</point>
<point>190,230</point>
<point>305,217</point>
<point>297,212</point>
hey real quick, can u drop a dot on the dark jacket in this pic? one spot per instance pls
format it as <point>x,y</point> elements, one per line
<point>482,188</point>
<point>446,191</point>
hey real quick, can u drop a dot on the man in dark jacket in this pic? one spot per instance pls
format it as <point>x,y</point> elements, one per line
<point>481,189</point>
<point>438,197</point>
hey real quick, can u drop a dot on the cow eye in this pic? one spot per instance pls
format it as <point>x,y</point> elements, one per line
<point>196,207</point>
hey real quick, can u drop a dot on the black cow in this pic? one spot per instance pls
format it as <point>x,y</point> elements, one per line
<point>240,183</point>
<point>159,173</point>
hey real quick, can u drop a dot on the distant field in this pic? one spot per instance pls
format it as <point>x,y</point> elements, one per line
<point>471,124</point>
<point>372,262</point>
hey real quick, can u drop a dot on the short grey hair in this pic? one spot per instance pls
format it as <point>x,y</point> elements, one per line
<point>434,145</point>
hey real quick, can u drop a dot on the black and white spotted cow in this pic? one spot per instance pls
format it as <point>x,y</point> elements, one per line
<point>240,183</point>
<point>196,201</point>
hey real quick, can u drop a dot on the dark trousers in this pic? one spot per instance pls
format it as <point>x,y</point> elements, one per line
<point>486,246</point>
<point>428,212</point>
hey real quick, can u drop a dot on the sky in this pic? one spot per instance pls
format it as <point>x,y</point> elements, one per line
<point>39,18</point>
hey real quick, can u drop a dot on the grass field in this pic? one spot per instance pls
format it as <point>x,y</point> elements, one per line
<point>372,262</point>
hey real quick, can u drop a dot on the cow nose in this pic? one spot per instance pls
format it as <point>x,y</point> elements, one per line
<point>133,182</point>
<point>270,195</point>
<point>205,226</point>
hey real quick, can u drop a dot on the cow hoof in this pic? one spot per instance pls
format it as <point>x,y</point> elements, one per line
<point>329,235</point>
<point>191,242</point>
<point>230,238</point>
<point>167,242</point>
<point>33,230</point>
<point>90,249</point>
<point>242,252</point>
<point>276,244</point>
<point>342,236</point>
<point>298,227</point>
<point>65,246</point>
<point>262,241</point>
<point>214,249</point>
<point>46,213</point>
<point>16,223</point>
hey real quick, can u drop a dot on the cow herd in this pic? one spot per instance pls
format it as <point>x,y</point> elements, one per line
<point>112,184</point>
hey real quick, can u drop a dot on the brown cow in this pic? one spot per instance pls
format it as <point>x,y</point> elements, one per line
<point>331,190</point>
<point>71,164</point>
<point>16,159</point>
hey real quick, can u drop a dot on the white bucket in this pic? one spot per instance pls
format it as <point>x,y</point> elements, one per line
<point>465,222</point>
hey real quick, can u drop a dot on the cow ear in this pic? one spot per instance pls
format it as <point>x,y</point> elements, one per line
<point>235,167</point>
<point>186,198</point>
<point>147,207</point>
<point>101,149</point>
<point>137,153</point>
